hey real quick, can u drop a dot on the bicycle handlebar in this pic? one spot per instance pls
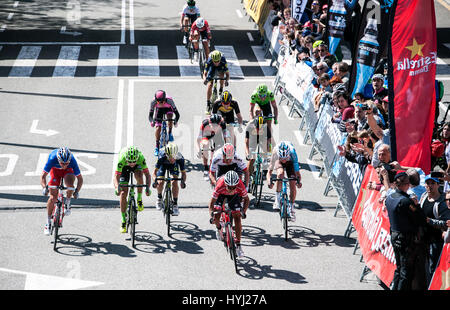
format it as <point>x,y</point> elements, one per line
<point>283,180</point>
<point>133,185</point>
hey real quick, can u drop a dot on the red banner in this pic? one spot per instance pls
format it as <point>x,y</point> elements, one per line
<point>441,277</point>
<point>412,90</point>
<point>372,225</point>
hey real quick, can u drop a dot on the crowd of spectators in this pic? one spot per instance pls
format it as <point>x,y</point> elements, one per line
<point>364,120</point>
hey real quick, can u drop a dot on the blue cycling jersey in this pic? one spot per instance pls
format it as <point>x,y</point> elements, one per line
<point>52,162</point>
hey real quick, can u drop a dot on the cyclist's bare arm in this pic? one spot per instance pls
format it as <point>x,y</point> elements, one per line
<point>275,109</point>
<point>44,179</point>
<point>79,183</point>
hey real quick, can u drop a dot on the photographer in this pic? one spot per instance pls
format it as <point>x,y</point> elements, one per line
<point>382,134</point>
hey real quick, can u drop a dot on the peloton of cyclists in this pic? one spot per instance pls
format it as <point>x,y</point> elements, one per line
<point>227,108</point>
<point>216,65</point>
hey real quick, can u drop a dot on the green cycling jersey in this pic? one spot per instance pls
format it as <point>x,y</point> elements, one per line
<point>255,98</point>
<point>141,164</point>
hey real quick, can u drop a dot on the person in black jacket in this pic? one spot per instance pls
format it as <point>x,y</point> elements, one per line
<point>404,231</point>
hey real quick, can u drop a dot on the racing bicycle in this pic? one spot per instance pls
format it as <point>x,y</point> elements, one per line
<point>257,177</point>
<point>168,198</point>
<point>164,137</point>
<point>214,94</point>
<point>58,211</point>
<point>131,220</point>
<point>285,209</point>
<point>227,231</point>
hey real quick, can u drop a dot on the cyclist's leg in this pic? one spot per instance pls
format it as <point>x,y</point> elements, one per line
<point>221,75</point>
<point>160,186</point>
<point>55,180</point>
<point>235,204</point>
<point>195,38</point>
<point>175,191</point>
<point>170,124</point>
<point>204,36</point>
<point>124,180</point>
<point>280,175</point>
<point>157,133</point>
<point>217,207</point>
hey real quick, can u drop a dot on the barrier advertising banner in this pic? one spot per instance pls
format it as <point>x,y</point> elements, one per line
<point>412,58</point>
<point>441,277</point>
<point>372,226</point>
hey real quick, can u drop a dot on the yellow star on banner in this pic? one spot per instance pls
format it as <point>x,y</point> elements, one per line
<point>415,48</point>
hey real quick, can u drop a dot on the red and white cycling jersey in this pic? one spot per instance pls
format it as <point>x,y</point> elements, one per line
<point>195,28</point>
<point>221,189</point>
<point>217,162</point>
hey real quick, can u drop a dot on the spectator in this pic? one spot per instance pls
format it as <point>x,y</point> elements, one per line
<point>342,70</point>
<point>384,169</point>
<point>325,55</point>
<point>379,92</point>
<point>403,230</point>
<point>324,87</point>
<point>436,211</point>
<point>382,134</point>
<point>322,68</point>
<point>360,115</point>
<point>346,111</point>
<point>415,188</point>
<point>442,161</point>
<point>308,43</point>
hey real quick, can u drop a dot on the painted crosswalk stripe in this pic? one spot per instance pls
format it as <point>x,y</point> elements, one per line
<point>232,60</point>
<point>148,61</point>
<point>263,62</point>
<point>186,67</point>
<point>25,62</point>
<point>66,65</point>
<point>108,61</point>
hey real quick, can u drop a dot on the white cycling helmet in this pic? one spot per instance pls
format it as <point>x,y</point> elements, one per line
<point>284,150</point>
<point>231,178</point>
<point>200,22</point>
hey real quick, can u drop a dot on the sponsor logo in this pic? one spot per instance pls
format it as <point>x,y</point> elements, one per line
<point>418,63</point>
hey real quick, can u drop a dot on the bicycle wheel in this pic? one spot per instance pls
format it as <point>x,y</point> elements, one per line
<point>167,209</point>
<point>285,216</point>
<point>133,221</point>
<point>56,222</point>
<point>228,236</point>
<point>201,61</point>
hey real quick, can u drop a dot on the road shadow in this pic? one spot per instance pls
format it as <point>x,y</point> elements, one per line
<point>268,199</point>
<point>250,269</point>
<point>74,202</point>
<point>183,238</point>
<point>80,245</point>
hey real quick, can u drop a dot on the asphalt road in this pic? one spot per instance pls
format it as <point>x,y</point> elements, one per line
<point>99,105</point>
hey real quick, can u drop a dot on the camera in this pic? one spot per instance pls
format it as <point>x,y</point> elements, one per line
<point>363,106</point>
<point>388,167</point>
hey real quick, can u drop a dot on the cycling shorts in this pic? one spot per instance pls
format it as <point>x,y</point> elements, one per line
<point>173,170</point>
<point>125,174</point>
<point>160,114</point>
<point>287,166</point>
<point>56,175</point>
<point>234,202</point>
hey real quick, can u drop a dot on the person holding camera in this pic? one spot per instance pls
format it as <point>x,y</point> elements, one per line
<point>403,213</point>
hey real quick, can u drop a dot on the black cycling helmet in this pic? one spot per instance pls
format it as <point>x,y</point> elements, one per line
<point>226,97</point>
<point>215,118</point>
<point>190,2</point>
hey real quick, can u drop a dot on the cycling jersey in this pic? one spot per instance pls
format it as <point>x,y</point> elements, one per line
<point>227,111</point>
<point>275,160</point>
<point>163,164</point>
<point>219,168</point>
<point>205,28</point>
<point>255,99</point>
<point>53,163</point>
<point>192,12</point>
<point>167,107</point>
<point>221,189</point>
<point>122,162</point>
<point>211,69</point>
<point>209,130</point>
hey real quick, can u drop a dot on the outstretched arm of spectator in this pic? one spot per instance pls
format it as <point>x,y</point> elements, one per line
<point>377,130</point>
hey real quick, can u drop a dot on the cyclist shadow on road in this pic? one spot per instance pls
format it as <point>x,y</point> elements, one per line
<point>268,199</point>
<point>79,245</point>
<point>183,238</point>
<point>250,269</point>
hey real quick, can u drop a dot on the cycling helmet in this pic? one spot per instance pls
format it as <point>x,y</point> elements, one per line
<point>200,22</point>
<point>215,118</point>
<point>160,96</point>
<point>284,150</point>
<point>216,55</point>
<point>228,151</point>
<point>63,154</point>
<point>190,2</point>
<point>231,178</point>
<point>171,150</point>
<point>262,90</point>
<point>258,121</point>
<point>226,97</point>
<point>132,154</point>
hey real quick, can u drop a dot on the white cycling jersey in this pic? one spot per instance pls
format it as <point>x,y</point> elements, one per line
<point>217,162</point>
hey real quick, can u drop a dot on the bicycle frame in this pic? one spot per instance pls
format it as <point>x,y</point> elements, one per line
<point>58,212</point>
<point>168,198</point>
<point>226,223</point>
<point>284,214</point>
<point>164,137</point>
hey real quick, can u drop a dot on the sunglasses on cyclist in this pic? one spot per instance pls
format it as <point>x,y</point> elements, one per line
<point>61,163</point>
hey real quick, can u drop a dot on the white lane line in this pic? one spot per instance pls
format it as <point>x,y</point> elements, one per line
<point>232,60</point>
<point>108,61</point>
<point>186,67</point>
<point>130,114</point>
<point>123,23</point>
<point>250,37</point>
<point>67,62</point>
<point>25,62</point>
<point>263,62</point>
<point>148,60</point>
<point>131,17</point>
<point>119,126</point>
<point>239,13</point>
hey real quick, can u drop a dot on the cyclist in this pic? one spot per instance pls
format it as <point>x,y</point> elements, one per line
<point>213,134</point>
<point>265,99</point>
<point>200,29</point>
<point>257,133</point>
<point>61,164</point>
<point>284,158</point>
<point>188,16</point>
<point>169,160</point>
<point>231,188</point>
<point>227,107</point>
<point>163,105</point>
<point>224,160</point>
<point>216,65</point>
<point>130,160</point>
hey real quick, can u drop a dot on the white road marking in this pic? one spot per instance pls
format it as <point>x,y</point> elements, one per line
<point>67,62</point>
<point>25,62</point>
<point>264,62</point>
<point>148,61</point>
<point>108,61</point>
<point>131,17</point>
<point>239,13</point>
<point>232,60</point>
<point>186,67</point>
